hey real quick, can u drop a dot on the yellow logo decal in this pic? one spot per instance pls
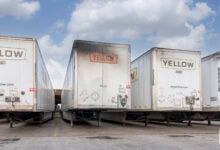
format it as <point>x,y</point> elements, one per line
<point>133,75</point>
<point>178,63</point>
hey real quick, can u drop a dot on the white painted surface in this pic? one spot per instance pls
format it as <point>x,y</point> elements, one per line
<point>96,85</point>
<point>165,78</point>
<point>18,78</point>
<point>211,82</point>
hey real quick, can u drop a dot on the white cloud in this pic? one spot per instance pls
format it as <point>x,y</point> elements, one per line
<point>57,72</point>
<point>49,48</point>
<point>192,41</point>
<point>58,26</point>
<point>201,11</point>
<point>18,8</point>
<point>131,19</point>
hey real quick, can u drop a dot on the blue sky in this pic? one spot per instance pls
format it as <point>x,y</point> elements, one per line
<point>182,24</point>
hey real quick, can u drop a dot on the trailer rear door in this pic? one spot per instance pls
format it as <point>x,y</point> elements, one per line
<point>116,80</point>
<point>178,79</point>
<point>89,76</point>
<point>16,74</point>
<point>103,76</point>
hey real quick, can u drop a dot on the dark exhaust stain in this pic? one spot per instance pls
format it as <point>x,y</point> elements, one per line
<point>8,141</point>
<point>103,137</point>
<point>176,136</point>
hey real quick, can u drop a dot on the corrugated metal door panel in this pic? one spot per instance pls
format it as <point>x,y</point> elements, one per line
<point>89,77</point>
<point>218,82</point>
<point>141,83</point>
<point>135,98</point>
<point>116,80</point>
<point>45,93</point>
<point>206,82</point>
<point>148,81</point>
<point>213,88</point>
<point>141,89</point>
<point>211,82</point>
<point>68,93</point>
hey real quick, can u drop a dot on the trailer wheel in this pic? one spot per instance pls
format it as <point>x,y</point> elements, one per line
<point>41,118</point>
<point>209,120</point>
<point>146,120</point>
<point>11,121</point>
<point>71,123</point>
<point>53,114</point>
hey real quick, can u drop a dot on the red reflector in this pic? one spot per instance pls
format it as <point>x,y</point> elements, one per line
<point>199,91</point>
<point>128,86</point>
<point>32,90</point>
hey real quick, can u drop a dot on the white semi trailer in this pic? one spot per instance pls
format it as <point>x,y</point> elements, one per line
<point>211,82</point>
<point>165,85</point>
<point>25,87</point>
<point>97,79</point>
<point>167,80</point>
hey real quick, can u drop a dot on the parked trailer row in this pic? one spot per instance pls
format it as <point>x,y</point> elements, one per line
<point>164,83</point>
<point>26,90</point>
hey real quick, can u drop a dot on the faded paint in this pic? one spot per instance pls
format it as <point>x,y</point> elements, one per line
<point>97,76</point>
